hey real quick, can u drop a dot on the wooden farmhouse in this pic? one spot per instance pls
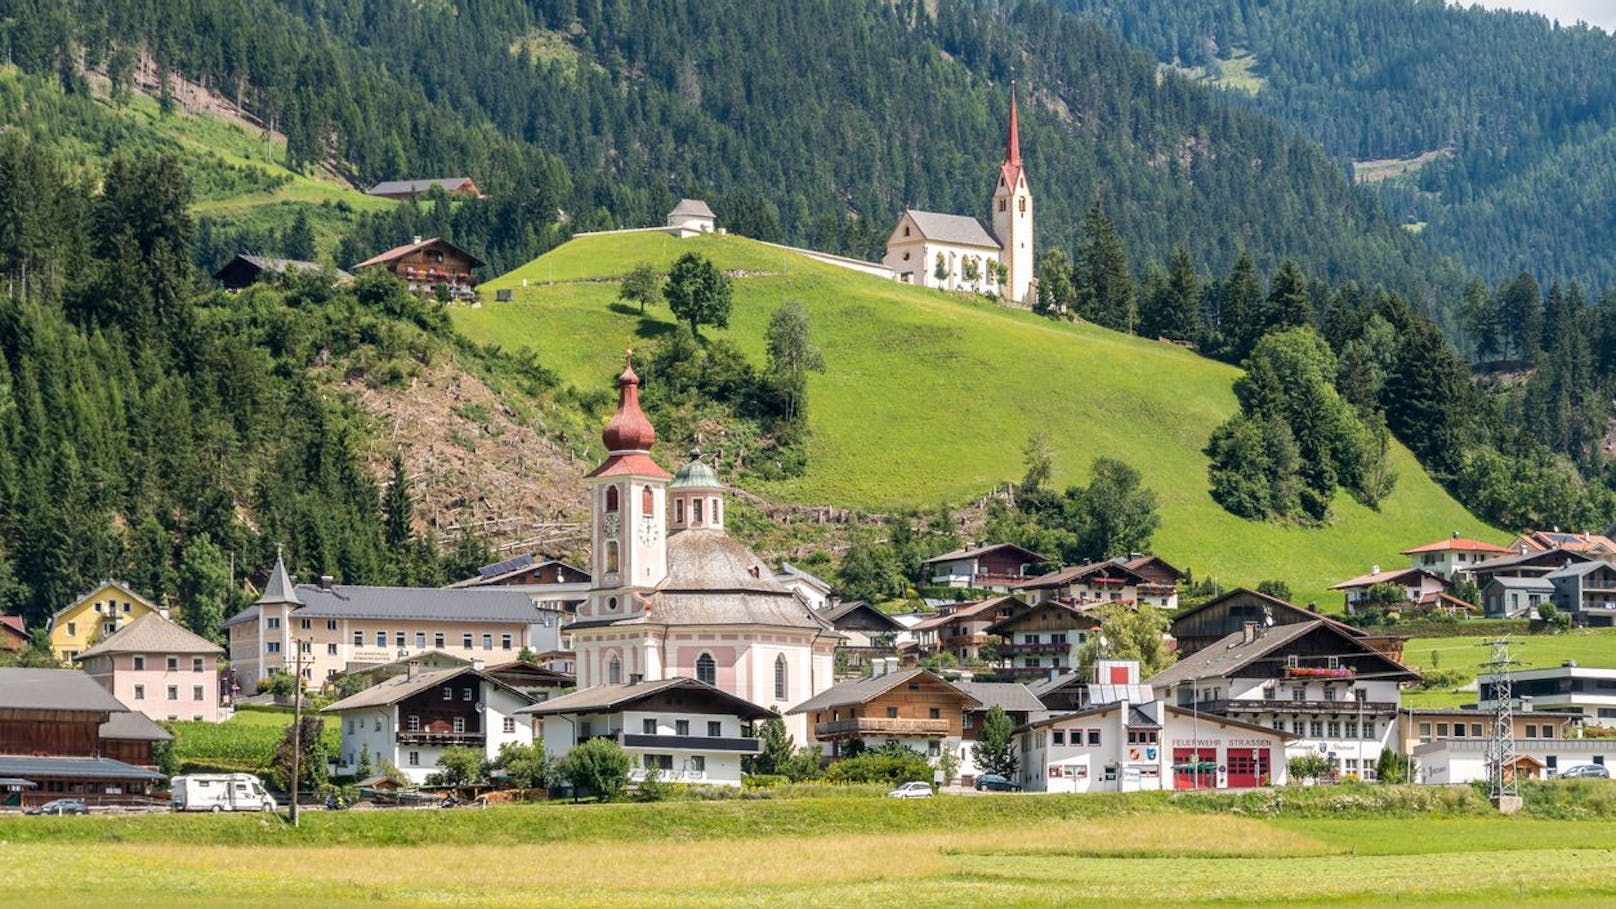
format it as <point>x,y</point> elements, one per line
<point>427,264</point>
<point>62,734</point>
<point>914,707</point>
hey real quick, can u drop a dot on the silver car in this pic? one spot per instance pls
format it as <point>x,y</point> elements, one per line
<point>1586,772</point>
<point>911,790</point>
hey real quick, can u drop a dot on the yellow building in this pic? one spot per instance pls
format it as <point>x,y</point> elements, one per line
<point>84,622</point>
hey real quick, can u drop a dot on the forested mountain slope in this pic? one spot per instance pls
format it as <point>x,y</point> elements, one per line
<point>1521,115</point>
<point>813,121</point>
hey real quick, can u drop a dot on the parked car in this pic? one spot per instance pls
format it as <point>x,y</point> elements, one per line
<point>911,790</point>
<point>1586,772</point>
<point>61,806</point>
<point>996,783</point>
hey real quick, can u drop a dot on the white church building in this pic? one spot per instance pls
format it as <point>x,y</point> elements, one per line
<point>674,596</point>
<point>959,252</point>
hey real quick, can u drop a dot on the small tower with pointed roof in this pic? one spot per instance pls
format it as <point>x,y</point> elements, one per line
<point>1012,215</point>
<point>628,495</point>
<point>696,497</point>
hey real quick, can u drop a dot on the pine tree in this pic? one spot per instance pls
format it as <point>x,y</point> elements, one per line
<point>397,507</point>
<point>1240,309</point>
<point>1289,303</point>
<point>1104,284</point>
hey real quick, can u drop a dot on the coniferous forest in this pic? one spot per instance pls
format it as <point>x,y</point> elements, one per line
<point>149,430</point>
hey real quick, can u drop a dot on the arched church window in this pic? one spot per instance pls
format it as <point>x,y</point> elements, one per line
<point>611,555</point>
<point>611,498</point>
<point>695,511</point>
<point>706,669</point>
<point>780,677</point>
<point>1023,204</point>
<point>906,230</point>
<point>614,671</point>
<point>1001,201</point>
<point>647,501</point>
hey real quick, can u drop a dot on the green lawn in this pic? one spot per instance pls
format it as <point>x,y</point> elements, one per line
<point>931,396</point>
<point>1589,647</point>
<point>1006,851</point>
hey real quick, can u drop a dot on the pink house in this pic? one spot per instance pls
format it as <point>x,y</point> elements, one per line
<point>157,668</point>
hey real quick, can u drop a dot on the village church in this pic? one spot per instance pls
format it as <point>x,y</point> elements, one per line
<point>675,596</point>
<point>958,252</point>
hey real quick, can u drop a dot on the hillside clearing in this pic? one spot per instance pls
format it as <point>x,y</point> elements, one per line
<point>931,396</point>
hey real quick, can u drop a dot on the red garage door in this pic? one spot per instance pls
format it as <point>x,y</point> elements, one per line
<point>1248,767</point>
<point>1195,768</point>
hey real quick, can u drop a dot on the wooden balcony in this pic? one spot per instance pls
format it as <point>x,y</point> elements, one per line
<point>1008,649</point>
<point>442,738</point>
<point>879,725</point>
<point>739,745</point>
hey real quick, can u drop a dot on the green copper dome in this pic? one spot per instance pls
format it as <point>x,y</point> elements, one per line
<point>696,474</point>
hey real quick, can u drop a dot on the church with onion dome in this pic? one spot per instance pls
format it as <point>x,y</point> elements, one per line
<point>675,596</point>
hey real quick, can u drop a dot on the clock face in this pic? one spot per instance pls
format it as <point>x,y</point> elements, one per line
<point>611,526</point>
<point>649,530</point>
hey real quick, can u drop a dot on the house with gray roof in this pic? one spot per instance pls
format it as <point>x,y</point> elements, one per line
<point>1587,590</point>
<point>406,189</point>
<point>244,270</point>
<point>686,730</point>
<point>1507,597</point>
<point>915,708</point>
<point>67,736</point>
<point>341,627</point>
<point>160,669</point>
<point>690,218</point>
<point>409,720</point>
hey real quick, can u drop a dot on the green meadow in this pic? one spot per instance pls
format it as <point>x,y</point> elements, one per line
<point>846,853</point>
<point>931,396</point>
<point>1587,646</point>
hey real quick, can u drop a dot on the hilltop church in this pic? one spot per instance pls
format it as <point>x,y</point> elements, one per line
<point>675,596</point>
<point>958,252</point>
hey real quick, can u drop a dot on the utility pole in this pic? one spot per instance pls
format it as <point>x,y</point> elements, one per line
<point>1502,787</point>
<point>297,721</point>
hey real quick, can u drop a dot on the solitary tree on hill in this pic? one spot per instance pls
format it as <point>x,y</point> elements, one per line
<point>641,286</point>
<point>698,293</point>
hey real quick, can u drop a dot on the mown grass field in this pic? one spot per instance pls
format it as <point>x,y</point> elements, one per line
<point>930,396</point>
<point>1009,851</point>
<point>1589,647</point>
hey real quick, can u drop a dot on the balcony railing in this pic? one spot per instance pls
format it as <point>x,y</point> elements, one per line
<point>1039,671</point>
<point>441,738</point>
<point>1285,705</point>
<point>1035,648</point>
<point>693,743</point>
<point>1319,672</point>
<point>880,725</point>
<point>637,775</point>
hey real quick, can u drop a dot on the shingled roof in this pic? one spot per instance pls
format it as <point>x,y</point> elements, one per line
<point>868,688</point>
<point>613,698</point>
<point>961,229</point>
<point>151,633</point>
<point>55,689</point>
<point>406,187</point>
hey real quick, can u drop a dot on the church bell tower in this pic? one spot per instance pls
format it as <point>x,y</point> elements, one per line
<point>628,511</point>
<point>1012,216</point>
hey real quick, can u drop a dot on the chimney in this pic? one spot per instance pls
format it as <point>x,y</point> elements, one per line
<point>1248,632</point>
<point>1375,569</point>
<point>1456,534</point>
<point>478,664</point>
<point>412,669</point>
<point>1523,549</point>
<point>415,240</point>
<point>878,667</point>
<point>326,581</point>
<point>892,664</point>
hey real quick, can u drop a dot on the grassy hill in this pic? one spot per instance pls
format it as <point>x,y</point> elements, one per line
<point>930,397</point>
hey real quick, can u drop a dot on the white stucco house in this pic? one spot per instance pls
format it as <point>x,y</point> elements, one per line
<point>409,720</point>
<point>689,731</point>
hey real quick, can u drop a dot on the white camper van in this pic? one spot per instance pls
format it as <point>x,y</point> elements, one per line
<point>220,792</point>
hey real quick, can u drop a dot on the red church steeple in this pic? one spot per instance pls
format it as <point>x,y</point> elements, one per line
<point>1012,147</point>
<point>629,435</point>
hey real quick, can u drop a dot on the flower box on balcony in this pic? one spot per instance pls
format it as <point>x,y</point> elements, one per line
<point>1318,672</point>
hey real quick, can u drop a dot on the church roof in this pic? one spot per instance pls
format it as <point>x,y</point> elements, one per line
<point>714,580</point>
<point>696,474</point>
<point>280,588</point>
<point>628,435</point>
<point>961,229</point>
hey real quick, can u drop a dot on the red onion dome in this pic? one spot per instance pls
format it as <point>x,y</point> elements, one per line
<point>628,429</point>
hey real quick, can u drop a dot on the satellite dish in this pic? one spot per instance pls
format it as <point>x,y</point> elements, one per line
<point>479,707</point>
<point>1268,616</point>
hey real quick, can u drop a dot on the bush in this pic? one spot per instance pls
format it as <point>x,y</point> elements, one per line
<point>651,788</point>
<point>762,781</point>
<point>1308,767</point>
<point>598,766</point>
<point>889,766</point>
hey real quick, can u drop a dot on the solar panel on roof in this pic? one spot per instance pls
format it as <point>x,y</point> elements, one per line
<point>511,564</point>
